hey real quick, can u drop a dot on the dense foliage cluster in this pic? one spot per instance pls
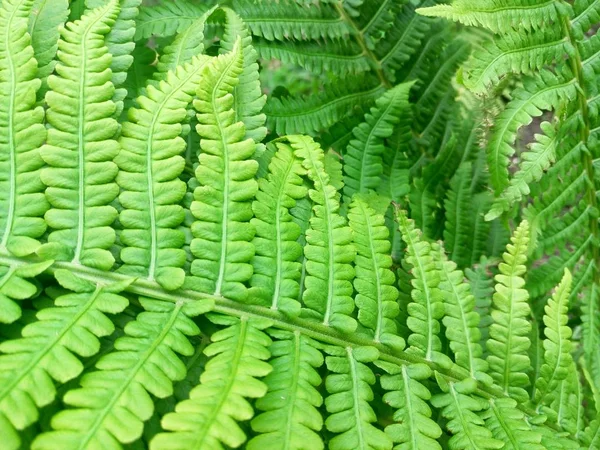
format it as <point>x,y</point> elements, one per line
<point>302,224</point>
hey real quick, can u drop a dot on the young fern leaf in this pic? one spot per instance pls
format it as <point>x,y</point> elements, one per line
<point>376,296</point>
<point>119,42</point>
<point>509,333</point>
<point>515,52</point>
<point>248,97</point>
<point>461,320</point>
<point>363,158</point>
<point>426,308</point>
<point>414,429</point>
<point>184,47</point>
<point>276,267</point>
<point>80,146</point>
<point>457,230</point>
<point>150,164</point>
<point>545,92</point>
<point>460,407</point>
<point>45,18</point>
<point>290,417</point>
<point>349,386</point>
<point>22,202</point>
<point>509,425</point>
<point>167,18</point>
<point>114,401</point>
<point>329,250</point>
<point>14,287</point>
<point>207,420</point>
<point>498,15</point>
<point>557,355</point>
<point>46,351</point>
<point>223,202</point>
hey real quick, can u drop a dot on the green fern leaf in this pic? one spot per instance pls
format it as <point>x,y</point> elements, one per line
<point>114,401</point>
<point>414,429</point>
<point>461,320</point>
<point>46,351</point>
<point>586,14</point>
<point>290,419</point>
<point>276,285</point>
<point>80,146</point>
<point>14,287</point>
<point>427,307</point>
<point>376,296</point>
<point>22,132</point>
<point>509,425</point>
<point>329,250</point>
<point>498,15</point>
<point>208,418</point>
<point>457,229</point>
<point>150,164</point>
<point>557,355</point>
<point>363,157</point>
<point>509,342</point>
<point>167,18</point>
<point>45,18</point>
<point>349,386</point>
<point>223,201</point>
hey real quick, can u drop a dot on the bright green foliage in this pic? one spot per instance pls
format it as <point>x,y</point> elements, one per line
<point>112,402</point>
<point>349,387</point>
<point>222,202</point>
<point>290,406</point>
<point>79,149</point>
<point>374,282</point>
<point>508,341</point>
<point>276,285</point>
<point>151,191</point>
<point>329,250</point>
<point>178,273</point>
<point>46,351</point>
<point>21,134</point>
<point>206,419</point>
<point>408,396</point>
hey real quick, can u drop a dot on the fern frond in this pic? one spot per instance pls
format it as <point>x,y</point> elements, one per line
<point>515,52</point>
<point>340,58</point>
<point>287,20</point>
<point>543,93</point>
<point>586,13</point>
<point>275,285</point>
<point>509,341</point>
<point>14,287</point>
<point>407,394</point>
<point>150,164</point>
<point>22,132</point>
<point>376,296</point>
<point>223,202</point>
<point>329,250</point>
<point>482,288</point>
<point>509,425</point>
<point>186,45</point>
<point>44,20</point>
<point>248,97</point>
<point>557,345</point>
<point>461,320</point>
<point>532,166</point>
<point>349,386</point>
<point>458,207</point>
<point>289,115</point>
<point>80,146</point>
<point>167,18</point>
<point>46,351</point>
<point>119,42</point>
<point>363,157</point>
<point>290,416</point>
<point>427,307</point>
<point>208,418</point>
<point>141,71</point>
<point>498,15</point>
<point>460,407</point>
<point>114,401</point>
